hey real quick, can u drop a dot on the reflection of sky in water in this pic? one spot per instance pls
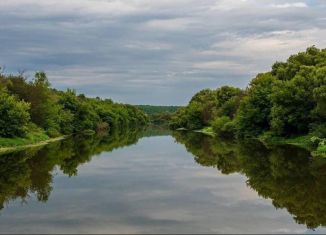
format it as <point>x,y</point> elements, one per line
<point>154,186</point>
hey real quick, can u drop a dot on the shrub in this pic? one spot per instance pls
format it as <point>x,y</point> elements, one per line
<point>14,116</point>
<point>224,126</point>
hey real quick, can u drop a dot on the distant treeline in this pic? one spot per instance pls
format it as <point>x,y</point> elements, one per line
<point>289,100</point>
<point>152,109</point>
<point>159,115</point>
<point>31,106</point>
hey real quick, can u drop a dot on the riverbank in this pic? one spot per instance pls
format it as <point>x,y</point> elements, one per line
<point>300,141</point>
<point>207,131</point>
<point>33,139</point>
<point>308,142</point>
<point>304,142</point>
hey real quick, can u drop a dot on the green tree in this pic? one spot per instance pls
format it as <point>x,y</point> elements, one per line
<point>44,109</point>
<point>253,116</point>
<point>224,127</point>
<point>14,116</point>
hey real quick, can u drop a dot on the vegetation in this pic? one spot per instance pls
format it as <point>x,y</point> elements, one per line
<point>32,111</point>
<point>154,109</point>
<point>14,116</point>
<point>159,115</point>
<point>34,135</point>
<point>206,106</point>
<point>286,102</point>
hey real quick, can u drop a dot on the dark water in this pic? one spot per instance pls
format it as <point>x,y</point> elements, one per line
<point>154,182</point>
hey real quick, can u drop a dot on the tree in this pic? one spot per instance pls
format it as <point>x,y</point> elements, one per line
<point>14,116</point>
<point>293,103</point>
<point>253,116</point>
<point>228,101</point>
<point>44,109</point>
<point>224,127</point>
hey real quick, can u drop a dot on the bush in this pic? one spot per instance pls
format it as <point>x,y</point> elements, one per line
<point>102,126</point>
<point>318,142</point>
<point>14,116</point>
<point>52,132</point>
<point>224,127</point>
<point>320,131</point>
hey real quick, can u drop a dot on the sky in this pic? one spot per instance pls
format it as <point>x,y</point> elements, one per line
<point>156,52</point>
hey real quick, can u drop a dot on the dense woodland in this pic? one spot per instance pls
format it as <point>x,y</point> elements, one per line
<point>289,100</point>
<point>159,115</point>
<point>33,108</point>
<point>157,109</point>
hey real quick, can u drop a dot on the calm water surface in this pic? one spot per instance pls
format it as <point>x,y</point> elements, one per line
<point>148,182</point>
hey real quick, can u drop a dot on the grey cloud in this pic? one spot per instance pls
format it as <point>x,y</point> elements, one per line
<point>157,52</point>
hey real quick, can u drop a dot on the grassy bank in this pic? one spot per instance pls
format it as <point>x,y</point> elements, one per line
<point>304,142</point>
<point>206,131</point>
<point>300,141</point>
<point>32,139</point>
<point>320,151</point>
<point>317,150</point>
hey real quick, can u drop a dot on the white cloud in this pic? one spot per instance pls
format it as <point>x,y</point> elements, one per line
<point>272,43</point>
<point>230,66</point>
<point>170,24</point>
<point>228,4</point>
<point>152,46</point>
<point>291,5</point>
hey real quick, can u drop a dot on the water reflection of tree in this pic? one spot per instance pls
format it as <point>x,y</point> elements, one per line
<point>287,175</point>
<point>31,171</point>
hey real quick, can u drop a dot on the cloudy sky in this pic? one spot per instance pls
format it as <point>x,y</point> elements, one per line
<point>154,51</point>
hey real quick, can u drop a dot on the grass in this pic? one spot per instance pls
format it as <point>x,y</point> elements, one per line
<point>299,141</point>
<point>304,141</point>
<point>36,137</point>
<point>207,131</point>
<point>181,129</point>
<point>269,140</point>
<point>88,132</point>
<point>320,151</point>
<point>31,138</point>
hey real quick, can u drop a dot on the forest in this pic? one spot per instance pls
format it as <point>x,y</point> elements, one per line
<point>32,111</point>
<point>287,102</point>
<point>159,115</point>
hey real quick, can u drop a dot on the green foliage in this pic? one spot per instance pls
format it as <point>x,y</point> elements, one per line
<point>155,109</point>
<point>228,100</point>
<point>293,102</point>
<point>253,116</point>
<point>14,116</point>
<point>159,115</point>
<point>298,97</point>
<point>59,112</point>
<point>44,109</point>
<point>34,135</point>
<point>224,127</point>
<point>207,105</point>
<point>288,101</point>
<point>161,118</point>
<point>319,94</point>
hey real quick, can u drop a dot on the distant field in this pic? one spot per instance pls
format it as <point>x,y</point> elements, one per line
<point>151,109</point>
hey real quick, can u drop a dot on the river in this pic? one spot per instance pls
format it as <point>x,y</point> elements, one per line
<point>156,181</point>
